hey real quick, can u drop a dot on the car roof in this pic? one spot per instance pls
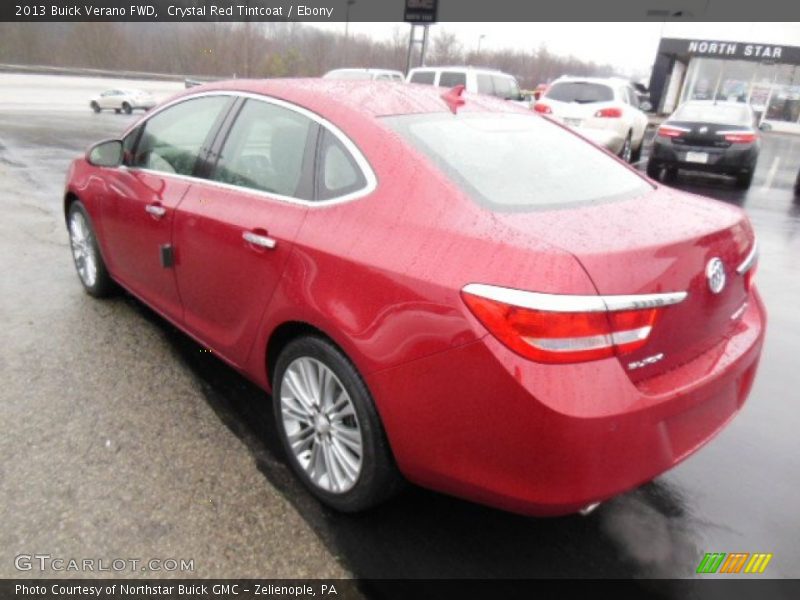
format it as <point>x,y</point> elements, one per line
<point>462,68</point>
<point>328,97</point>
<point>602,80</point>
<point>363,70</point>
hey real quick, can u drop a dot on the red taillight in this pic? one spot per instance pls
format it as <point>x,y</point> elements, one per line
<point>541,107</point>
<point>669,132</point>
<point>609,113</point>
<point>745,137</point>
<point>563,337</point>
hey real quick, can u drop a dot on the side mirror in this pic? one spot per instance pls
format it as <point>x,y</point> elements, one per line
<point>105,154</point>
<point>646,106</point>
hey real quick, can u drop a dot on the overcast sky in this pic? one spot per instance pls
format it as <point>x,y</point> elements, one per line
<point>631,47</point>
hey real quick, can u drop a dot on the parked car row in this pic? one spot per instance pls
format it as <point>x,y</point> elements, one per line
<point>441,288</point>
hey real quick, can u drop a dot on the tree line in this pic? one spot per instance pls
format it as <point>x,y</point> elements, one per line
<point>258,50</point>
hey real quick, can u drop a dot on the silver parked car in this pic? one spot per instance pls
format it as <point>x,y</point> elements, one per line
<point>122,100</point>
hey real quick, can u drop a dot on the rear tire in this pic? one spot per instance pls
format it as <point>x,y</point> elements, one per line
<point>95,107</point>
<point>636,155</point>
<point>126,108</point>
<point>626,152</point>
<point>86,255</point>
<point>653,169</point>
<point>340,454</point>
<point>744,180</point>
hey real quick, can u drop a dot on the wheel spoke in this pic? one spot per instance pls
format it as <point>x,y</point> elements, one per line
<point>347,463</point>
<point>348,437</point>
<point>293,381</point>
<point>302,439</point>
<point>294,409</point>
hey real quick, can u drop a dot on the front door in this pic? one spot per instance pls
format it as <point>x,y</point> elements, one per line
<point>144,193</point>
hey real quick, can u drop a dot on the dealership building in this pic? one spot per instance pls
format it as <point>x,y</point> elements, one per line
<point>757,63</point>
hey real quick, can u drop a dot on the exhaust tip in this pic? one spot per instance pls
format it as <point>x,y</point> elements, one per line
<point>588,509</point>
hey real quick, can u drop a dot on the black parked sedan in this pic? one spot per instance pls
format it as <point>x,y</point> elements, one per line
<point>716,137</point>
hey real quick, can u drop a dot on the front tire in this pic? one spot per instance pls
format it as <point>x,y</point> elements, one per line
<point>86,255</point>
<point>127,108</point>
<point>330,430</point>
<point>95,107</point>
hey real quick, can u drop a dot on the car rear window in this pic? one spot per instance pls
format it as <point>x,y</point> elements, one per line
<point>583,92</point>
<point>517,162</point>
<point>714,113</point>
<point>423,77</point>
<point>452,79</point>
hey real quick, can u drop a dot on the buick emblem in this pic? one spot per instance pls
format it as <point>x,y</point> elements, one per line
<point>703,129</point>
<point>715,273</point>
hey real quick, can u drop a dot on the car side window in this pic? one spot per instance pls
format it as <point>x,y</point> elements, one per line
<point>173,138</point>
<point>450,79</point>
<point>265,150</point>
<point>425,77</point>
<point>338,173</point>
<point>633,98</point>
<point>485,84</point>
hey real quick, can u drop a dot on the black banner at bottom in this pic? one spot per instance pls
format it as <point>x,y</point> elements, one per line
<point>408,589</point>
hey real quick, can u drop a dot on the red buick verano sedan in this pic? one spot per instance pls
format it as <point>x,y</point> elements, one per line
<point>447,287</point>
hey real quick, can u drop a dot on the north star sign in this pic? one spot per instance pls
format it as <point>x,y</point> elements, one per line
<point>734,49</point>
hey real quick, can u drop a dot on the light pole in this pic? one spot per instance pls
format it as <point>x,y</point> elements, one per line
<point>349,3</point>
<point>480,39</point>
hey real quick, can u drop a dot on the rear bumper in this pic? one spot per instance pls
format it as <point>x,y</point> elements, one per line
<point>484,424</point>
<point>732,160</point>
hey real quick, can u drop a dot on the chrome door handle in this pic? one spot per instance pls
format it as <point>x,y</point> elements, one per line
<point>259,240</point>
<point>155,210</point>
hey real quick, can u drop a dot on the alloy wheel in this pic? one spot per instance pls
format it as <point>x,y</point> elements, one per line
<point>83,249</point>
<point>321,426</point>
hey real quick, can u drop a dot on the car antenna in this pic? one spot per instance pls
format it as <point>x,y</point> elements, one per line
<point>453,99</point>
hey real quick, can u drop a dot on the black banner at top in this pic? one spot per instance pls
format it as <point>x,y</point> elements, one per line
<point>398,10</point>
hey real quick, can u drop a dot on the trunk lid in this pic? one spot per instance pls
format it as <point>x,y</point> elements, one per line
<point>658,243</point>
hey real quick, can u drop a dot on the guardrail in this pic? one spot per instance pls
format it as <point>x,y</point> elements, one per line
<point>78,71</point>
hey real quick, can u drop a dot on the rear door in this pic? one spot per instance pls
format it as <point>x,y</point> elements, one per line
<point>234,232</point>
<point>161,156</point>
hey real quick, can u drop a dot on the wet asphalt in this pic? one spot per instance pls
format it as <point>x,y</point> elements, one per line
<point>122,439</point>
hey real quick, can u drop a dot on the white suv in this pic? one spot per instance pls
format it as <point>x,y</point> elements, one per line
<point>474,80</point>
<point>606,111</point>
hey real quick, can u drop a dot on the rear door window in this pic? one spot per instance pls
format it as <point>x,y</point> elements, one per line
<point>172,139</point>
<point>582,92</point>
<point>337,172</point>
<point>266,151</point>
<point>450,79</point>
<point>517,162</point>
<point>425,77</point>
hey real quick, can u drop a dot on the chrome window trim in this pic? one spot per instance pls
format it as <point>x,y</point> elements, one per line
<point>570,303</point>
<point>749,260</point>
<point>361,161</point>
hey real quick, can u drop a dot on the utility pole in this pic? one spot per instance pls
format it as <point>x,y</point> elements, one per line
<point>347,30</point>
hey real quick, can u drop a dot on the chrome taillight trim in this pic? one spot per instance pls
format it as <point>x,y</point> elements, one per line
<point>569,303</point>
<point>749,260</point>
